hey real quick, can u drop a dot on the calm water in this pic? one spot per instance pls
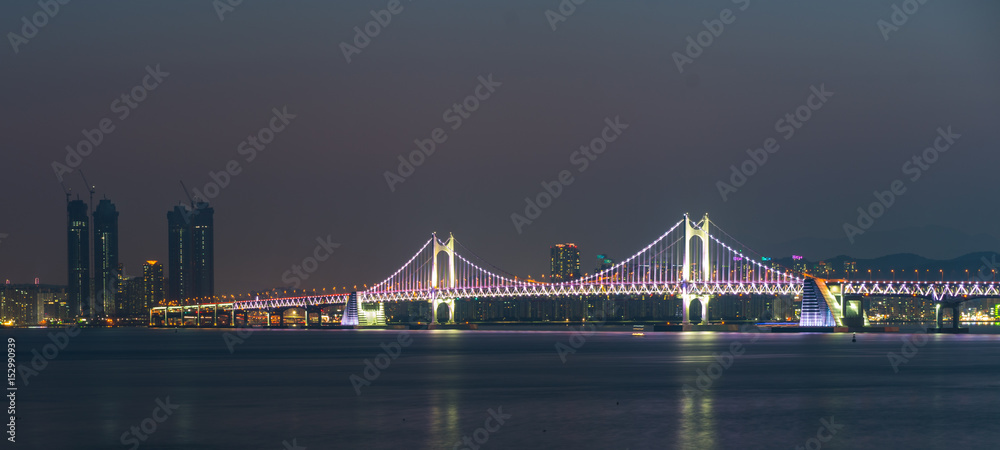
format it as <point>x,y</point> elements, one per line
<point>616,392</point>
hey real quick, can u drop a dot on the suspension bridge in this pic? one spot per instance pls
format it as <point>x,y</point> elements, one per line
<point>692,261</point>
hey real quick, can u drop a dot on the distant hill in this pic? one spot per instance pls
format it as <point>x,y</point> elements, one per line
<point>904,265</point>
<point>937,242</point>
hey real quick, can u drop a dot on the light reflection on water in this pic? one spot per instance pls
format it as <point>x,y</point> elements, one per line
<point>697,425</point>
<point>615,391</point>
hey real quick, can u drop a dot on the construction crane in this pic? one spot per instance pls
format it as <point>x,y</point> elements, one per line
<point>187,193</point>
<point>93,189</point>
<point>66,190</point>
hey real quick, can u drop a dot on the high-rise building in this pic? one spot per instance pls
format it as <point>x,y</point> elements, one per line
<point>152,280</point>
<point>17,304</point>
<point>191,252</point>
<point>132,301</point>
<point>565,262</point>
<point>179,242</point>
<point>203,247</point>
<point>106,267</point>
<point>121,296</point>
<point>52,301</point>
<point>29,304</point>
<point>78,259</point>
<point>603,263</point>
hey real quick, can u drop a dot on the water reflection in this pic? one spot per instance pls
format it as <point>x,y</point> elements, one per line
<point>617,391</point>
<point>697,427</point>
<point>444,417</point>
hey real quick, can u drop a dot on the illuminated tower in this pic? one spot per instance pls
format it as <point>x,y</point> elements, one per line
<point>203,251</point>
<point>565,262</point>
<point>178,244</point>
<point>152,284</point>
<point>105,257</point>
<point>704,265</point>
<point>78,259</point>
<point>191,245</point>
<point>603,263</point>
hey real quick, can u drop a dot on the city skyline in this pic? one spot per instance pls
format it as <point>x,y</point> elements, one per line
<point>183,220</point>
<point>685,130</point>
<point>191,260</point>
<point>387,224</point>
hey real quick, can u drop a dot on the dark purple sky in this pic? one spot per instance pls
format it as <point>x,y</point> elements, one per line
<point>324,174</point>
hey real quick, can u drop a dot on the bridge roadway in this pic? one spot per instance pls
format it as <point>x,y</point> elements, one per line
<point>687,261</point>
<point>945,294</point>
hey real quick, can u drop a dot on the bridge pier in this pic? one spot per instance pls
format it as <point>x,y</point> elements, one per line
<point>956,317</point>
<point>687,299</point>
<point>437,302</point>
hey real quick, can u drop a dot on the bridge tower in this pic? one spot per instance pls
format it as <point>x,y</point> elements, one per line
<point>690,233</point>
<point>448,248</point>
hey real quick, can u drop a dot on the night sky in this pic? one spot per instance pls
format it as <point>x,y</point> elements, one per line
<point>324,174</point>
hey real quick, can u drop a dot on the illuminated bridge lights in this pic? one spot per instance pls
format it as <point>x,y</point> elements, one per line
<point>657,269</point>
